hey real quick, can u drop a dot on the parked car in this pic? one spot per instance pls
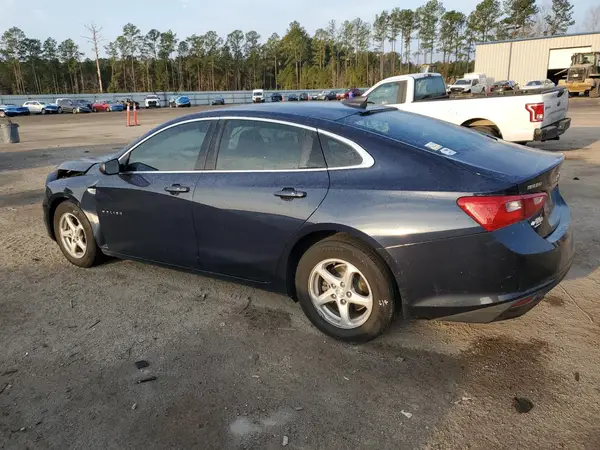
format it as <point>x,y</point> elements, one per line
<point>152,101</point>
<point>36,107</point>
<point>65,105</point>
<point>107,105</point>
<point>442,218</point>
<point>303,97</point>
<point>340,95</point>
<point>83,106</point>
<point>354,91</point>
<point>539,84</point>
<point>83,102</point>
<point>466,86</point>
<point>504,86</point>
<point>326,95</point>
<point>523,117</point>
<point>180,102</point>
<point>313,96</point>
<point>11,110</point>
<point>258,96</point>
<point>292,98</point>
<point>217,101</point>
<point>276,97</point>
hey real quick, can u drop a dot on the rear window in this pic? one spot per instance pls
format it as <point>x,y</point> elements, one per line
<point>429,87</point>
<point>420,131</point>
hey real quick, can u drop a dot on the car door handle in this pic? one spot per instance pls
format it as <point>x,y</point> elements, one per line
<point>176,189</point>
<point>290,194</point>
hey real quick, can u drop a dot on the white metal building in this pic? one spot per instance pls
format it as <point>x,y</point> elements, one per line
<point>523,60</point>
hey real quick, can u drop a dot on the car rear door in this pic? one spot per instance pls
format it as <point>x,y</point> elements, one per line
<point>146,210</point>
<point>268,178</point>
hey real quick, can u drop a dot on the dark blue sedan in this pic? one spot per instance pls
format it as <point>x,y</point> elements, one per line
<point>358,213</point>
<point>11,110</point>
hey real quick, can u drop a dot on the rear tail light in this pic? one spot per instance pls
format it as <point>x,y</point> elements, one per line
<point>536,112</point>
<point>494,212</point>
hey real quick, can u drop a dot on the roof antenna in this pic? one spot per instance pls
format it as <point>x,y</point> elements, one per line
<point>356,102</point>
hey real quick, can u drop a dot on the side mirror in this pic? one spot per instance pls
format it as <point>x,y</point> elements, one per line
<point>111,167</point>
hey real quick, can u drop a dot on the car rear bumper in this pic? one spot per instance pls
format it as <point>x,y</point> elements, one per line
<point>552,131</point>
<point>483,277</point>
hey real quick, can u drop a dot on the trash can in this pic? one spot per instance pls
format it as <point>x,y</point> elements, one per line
<point>9,132</point>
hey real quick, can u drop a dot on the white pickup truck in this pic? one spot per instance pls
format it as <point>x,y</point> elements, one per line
<point>519,116</point>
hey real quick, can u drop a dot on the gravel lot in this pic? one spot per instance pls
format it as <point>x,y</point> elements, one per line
<point>240,368</point>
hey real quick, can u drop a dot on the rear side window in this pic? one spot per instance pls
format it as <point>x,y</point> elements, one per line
<point>338,154</point>
<point>429,87</point>
<point>260,145</point>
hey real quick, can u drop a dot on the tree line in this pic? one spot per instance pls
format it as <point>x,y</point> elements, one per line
<point>351,53</point>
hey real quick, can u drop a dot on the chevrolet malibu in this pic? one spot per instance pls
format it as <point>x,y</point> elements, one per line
<point>358,213</point>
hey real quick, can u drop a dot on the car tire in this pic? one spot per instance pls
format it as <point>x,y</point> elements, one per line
<point>59,110</point>
<point>595,93</point>
<point>371,283</point>
<point>94,110</point>
<point>74,111</point>
<point>69,219</point>
<point>490,131</point>
<point>43,111</point>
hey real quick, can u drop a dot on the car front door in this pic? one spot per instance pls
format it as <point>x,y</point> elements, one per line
<point>268,179</point>
<point>146,211</point>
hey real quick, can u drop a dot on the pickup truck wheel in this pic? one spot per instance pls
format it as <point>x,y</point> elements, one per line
<point>490,131</point>
<point>595,93</point>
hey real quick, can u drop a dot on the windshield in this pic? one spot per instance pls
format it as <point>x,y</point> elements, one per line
<point>152,97</point>
<point>534,83</point>
<point>462,82</point>
<point>184,99</point>
<point>257,92</point>
<point>429,87</point>
<point>585,58</point>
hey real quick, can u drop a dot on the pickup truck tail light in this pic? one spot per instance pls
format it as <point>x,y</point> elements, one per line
<point>494,212</point>
<point>536,112</point>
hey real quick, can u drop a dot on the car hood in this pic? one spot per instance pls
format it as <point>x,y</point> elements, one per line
<point>84,164</point>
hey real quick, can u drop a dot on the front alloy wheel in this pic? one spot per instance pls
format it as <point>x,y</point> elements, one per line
<point>74,235</point>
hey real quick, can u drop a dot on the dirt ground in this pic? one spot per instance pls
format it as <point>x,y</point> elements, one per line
<point>239,368</point>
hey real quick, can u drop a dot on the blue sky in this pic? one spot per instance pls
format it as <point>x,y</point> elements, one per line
<point>64,19</point>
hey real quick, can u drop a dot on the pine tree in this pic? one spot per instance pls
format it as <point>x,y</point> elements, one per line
<point>560,17</point>
<point>519,18</point>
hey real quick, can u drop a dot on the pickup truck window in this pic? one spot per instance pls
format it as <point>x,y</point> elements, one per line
<point>429,87</point>
<point>389,93</point>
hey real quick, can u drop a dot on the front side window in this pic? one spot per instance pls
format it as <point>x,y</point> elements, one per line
<point>259,145</point>
<point>178,148</point>
<point>385,94</point>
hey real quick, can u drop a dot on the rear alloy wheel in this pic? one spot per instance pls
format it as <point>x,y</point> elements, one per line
<point>59,110</point>
<point>595,93</point>
<point>345,289</point>
<point>74,235</point>
<point>43,111</point>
